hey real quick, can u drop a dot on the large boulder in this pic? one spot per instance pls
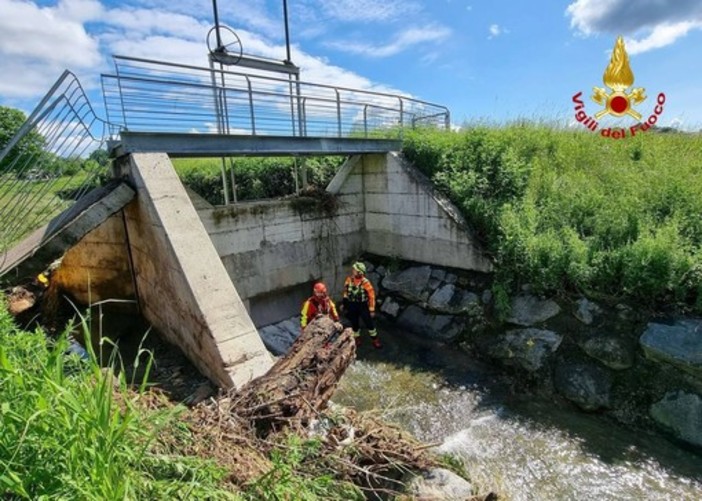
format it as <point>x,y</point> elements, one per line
<point>410,283</point>
<point>452,300</point>
<point>390,307</point>
<point>526,348</point>
<point>678,344</point>
<point>586,311</point>
<point>681,414</point>
<point>441,327</point>
<point>278,338</point>
<point>438,483</point>
<point>585,385</point>
<point>613,352</point>
<point>528,310</point>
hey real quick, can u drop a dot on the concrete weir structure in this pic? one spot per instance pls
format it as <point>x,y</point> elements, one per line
<point>385,207</point>
<point>206,277</point>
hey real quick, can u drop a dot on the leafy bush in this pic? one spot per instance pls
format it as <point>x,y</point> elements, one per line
<point>256,178</point>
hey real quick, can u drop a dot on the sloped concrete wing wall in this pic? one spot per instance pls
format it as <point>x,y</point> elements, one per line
<point>97,267</point>
<point>407,218</point>
<point>184,290</point>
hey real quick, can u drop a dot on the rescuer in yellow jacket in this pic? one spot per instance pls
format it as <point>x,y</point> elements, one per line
<point>359,303</point>
<point>318,304</point>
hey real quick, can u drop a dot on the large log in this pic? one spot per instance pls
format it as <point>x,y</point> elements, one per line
<point>300,384</point>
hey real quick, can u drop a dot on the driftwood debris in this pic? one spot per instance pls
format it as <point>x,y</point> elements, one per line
<point>300,384</point>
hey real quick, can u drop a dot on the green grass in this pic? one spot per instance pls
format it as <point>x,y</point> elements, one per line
<point>27,205</point>
<point>571,211</point>
<point>72,431</point>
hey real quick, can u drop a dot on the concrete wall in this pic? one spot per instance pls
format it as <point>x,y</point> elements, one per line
<point>406,217</point>
<point>97,267</point>
<point>184,290</point>
<point>269,246</point>
<point>386,208</point>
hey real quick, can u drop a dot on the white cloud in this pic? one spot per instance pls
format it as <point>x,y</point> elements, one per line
<point>496,30</point>
<point>56,37</point>
<point>151,21</point>
<point>650,24</point>
<point>38,43</point>
<point>660,36</point>
<point>402,41</point>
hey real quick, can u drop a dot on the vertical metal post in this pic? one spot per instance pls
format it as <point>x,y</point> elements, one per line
<point>303,116</point>
<point>251,107</point>
<point>303,168</point>
<point>292,106</point>
<point>402,113</point>
<point>302,120</point>
<point>365,120</point>
<point>287,31</point>
<point>216,21</point>
<point>121,97</point>
<point>338,110</point>
<point>220,127</point>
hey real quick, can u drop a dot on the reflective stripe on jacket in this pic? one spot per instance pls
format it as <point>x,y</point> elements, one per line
<point>359,291</point>
<point>314,307</point>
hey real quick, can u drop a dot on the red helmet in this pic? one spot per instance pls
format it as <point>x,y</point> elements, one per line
<point>320,287</point>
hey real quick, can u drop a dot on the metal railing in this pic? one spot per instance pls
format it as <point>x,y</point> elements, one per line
<point>153,96</point>
<point>43,168</point>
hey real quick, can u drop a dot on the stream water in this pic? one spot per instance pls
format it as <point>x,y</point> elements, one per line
<point>520,447</point>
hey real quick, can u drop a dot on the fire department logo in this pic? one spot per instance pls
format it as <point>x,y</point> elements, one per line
<point>618,97</point>
<point>618,77</point>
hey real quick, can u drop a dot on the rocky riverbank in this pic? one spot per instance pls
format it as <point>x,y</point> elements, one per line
<point>640,368</point>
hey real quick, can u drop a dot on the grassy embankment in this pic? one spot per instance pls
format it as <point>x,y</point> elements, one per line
<point>71,430</point>
<point>571,211</point>
<point>36,201</point>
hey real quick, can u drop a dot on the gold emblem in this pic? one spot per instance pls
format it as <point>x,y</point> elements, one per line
<point>618,77</point>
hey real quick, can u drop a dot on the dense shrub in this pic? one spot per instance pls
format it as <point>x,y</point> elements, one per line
<point>572,211</point>
<point>256,178</point>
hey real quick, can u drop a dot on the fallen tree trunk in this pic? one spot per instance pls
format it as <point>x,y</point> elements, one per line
<point>300,384</point>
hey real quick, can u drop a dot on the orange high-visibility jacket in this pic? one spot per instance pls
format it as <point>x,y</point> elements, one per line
<point>359,290</point>
<point>314,307</point>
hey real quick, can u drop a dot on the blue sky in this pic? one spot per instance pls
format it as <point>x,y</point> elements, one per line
<point>494,60</point>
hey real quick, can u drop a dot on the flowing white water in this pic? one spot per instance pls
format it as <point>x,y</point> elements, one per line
<point>522,448</point>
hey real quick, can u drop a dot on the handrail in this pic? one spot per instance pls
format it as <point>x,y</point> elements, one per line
<point>282,80</point>
<point>42,167</point>
<point>144,95</point>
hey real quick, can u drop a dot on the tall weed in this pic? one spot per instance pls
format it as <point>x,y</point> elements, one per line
<point>71,430</point>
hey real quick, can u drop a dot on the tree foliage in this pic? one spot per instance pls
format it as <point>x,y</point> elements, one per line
<point>32,144</point>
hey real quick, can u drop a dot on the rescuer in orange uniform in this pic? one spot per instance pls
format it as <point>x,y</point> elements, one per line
<point>318,304</point>
<point>359,303</point>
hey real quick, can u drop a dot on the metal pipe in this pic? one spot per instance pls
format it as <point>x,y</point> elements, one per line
<point>287,32</point>
<point>338,110</point>
<point>216,21</point>
<point>251,107</point>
